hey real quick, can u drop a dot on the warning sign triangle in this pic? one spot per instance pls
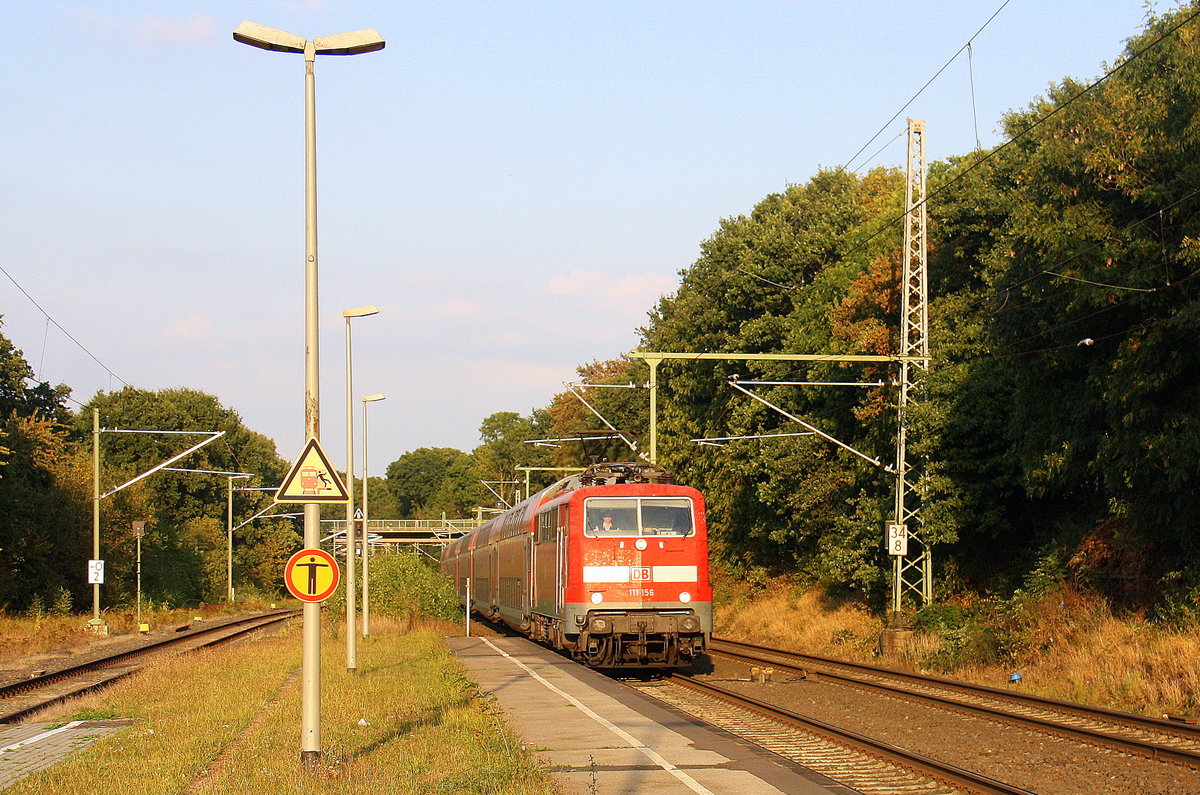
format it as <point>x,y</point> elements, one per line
<point>312,479</point>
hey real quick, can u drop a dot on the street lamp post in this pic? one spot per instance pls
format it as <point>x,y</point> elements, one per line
<point>366,605</point>
<point>351,534</point>
<point>362,41</point>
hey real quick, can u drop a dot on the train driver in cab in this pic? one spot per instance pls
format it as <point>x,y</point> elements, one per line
<point>606,526</point>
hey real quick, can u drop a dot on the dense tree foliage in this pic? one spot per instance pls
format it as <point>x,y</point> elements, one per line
<point>1061,409</point>
<point>41,489</point>
<point>430,481</point>
<point>185,549</point>
<point>1060,416</point>
<point>1059,427</point>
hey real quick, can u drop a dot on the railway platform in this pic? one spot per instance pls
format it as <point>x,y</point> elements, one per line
<point>597,736</point>
<point>29,747</point>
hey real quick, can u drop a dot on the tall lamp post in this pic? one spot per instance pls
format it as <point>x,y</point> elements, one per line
<point>362,41</point>
<point>366,624</point>
<point>351,535</point>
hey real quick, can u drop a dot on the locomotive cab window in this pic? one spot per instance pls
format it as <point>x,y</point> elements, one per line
<point>638,516</point>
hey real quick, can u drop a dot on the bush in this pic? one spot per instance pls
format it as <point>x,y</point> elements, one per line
<point>62,603</point>
<point>1179,607</point>
<point>405,585</point>
<point>965,635</point>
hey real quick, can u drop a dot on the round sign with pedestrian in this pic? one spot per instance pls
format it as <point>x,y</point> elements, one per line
<point>312,575</point>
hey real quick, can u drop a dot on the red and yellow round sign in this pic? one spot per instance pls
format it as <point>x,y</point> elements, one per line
<point>312,575</point>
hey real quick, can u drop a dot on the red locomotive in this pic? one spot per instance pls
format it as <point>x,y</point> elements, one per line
<point>610,566</point>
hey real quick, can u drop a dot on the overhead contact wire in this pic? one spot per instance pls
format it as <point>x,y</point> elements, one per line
<point>928,82</point>
<point>1024,132</point>
<point>60,328</point>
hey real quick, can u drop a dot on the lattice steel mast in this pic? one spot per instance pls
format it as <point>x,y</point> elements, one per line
<point>912,565</point>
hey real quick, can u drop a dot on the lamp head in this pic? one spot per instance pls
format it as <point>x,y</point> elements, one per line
<point>265,38</point>
<point>268,38</point>
<point>355,43</point>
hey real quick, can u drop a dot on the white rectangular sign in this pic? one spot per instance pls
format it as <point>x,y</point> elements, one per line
<point>95,572</point>
<point>897,538</point>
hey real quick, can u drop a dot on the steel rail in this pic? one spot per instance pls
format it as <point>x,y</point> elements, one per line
<point>1145,748</point>
<point>25,686</point>
<point>941,771</point>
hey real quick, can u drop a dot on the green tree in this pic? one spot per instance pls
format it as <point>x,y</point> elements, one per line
<point>791,277</point>
<point>625,408</point>
<point>428,481</point>
<point>186,511</point>
<point>44,518</point>
<point>503,449</point>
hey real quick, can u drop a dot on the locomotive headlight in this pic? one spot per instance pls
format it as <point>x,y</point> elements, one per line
<point>597,597</point>
<point>685,597</point>
<point>640,543</point>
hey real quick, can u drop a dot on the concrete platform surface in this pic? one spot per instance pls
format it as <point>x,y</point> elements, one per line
<point>28,747</point>
<point>599,737</point>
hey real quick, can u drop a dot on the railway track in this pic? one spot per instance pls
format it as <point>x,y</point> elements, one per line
<point>20,700</point>
<point>869,766</point>
<point>1139,735</point>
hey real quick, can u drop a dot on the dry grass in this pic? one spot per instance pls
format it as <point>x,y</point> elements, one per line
<point>1066,645</point>
<point>796,618</point>
<point>409,722</point>
<point>1075,649</point>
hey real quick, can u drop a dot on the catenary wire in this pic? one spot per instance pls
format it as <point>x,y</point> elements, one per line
<point>980,161</point>
<point>50,319</point>
<point>927,84</point>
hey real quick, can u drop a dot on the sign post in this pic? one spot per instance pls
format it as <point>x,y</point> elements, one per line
<point>139,530</point>
<point>311,576</point>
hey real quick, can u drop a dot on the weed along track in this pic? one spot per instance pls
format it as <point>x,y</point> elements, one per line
<point>19,700</point>
<point>807,707</point>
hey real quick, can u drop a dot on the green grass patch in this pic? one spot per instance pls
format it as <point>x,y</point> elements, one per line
<point>228,721</point>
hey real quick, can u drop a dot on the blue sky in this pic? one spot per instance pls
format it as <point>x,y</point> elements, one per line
<point>513,183</point>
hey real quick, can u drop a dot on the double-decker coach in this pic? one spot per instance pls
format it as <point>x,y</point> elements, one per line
<point>610,565</point>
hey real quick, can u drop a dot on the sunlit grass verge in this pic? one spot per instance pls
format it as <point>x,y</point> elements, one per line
<point>408,722</point>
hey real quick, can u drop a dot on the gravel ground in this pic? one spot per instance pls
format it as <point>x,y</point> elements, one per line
<point>1031,760</point>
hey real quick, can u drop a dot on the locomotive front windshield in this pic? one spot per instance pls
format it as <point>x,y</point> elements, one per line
<point>638,516</point>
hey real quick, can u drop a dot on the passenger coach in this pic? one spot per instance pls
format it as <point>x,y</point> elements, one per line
<point>610,566</point>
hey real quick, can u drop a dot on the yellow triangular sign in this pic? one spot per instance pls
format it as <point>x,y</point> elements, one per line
<point>312,479</point>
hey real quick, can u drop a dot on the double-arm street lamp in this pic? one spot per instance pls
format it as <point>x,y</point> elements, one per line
<point>366,604</point>
<point>351,535</point>
<point>355,43</point>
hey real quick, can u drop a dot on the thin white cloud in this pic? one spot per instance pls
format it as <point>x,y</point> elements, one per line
<point>193,327</point>
<point>307,5</point>
<point>637,289</point>
<point>150,31</point>
<point>200,29</point>
<point>461,309</point>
